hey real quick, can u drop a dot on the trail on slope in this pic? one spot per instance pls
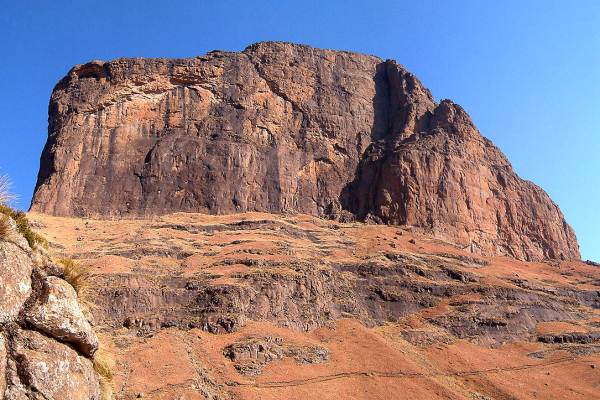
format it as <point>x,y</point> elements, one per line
<point>395,374</point>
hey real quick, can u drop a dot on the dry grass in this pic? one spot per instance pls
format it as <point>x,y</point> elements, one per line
<point>6,195</point>
<point>33,238</point>
<point>77,275</point>
<point>4,227</point>
<point>104,365</point>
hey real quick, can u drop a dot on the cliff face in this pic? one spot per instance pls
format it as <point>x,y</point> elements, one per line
<point>286,128</point>
<point>46,342</point>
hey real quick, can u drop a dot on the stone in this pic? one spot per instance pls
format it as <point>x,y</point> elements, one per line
<point>250,355</point>
<point>32,365</point>
<point>54,370</point>
<point>15,280</point>
<point>286,128</point>
<point>57,313</point>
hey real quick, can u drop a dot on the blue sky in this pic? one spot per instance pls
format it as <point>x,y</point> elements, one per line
<point>528,72</point>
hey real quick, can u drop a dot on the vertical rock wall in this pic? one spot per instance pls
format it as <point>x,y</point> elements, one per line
<point>286,128</point>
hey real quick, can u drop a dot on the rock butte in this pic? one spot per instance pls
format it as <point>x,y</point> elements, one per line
<point>285,128</point>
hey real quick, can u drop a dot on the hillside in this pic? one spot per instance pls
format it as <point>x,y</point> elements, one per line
<point>261,306</point>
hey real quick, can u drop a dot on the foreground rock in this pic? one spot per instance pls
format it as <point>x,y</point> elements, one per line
<point>57,313</point>
<point>15,279</point>
<point>51,369</point>
<point>40,320</point>
<point>287,128</point>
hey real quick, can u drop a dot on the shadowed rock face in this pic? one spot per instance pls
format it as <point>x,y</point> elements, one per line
<point>286,128</point>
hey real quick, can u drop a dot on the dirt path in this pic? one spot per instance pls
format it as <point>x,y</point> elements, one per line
<point>399,374</point>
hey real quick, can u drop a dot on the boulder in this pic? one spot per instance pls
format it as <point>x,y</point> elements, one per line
<point>3,362</point>
<point>41,364</point>
<point>15,280</point>
<point>54,370</point>
<point>57,313</point>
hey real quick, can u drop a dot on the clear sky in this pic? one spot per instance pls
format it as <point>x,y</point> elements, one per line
<point>528,72</point>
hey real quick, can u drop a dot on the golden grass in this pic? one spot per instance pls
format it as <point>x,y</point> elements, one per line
<point>4,227</point>
<point>34,239</point>
<point>6,195</point>
<point>104,365</point>
<point>77,275</point>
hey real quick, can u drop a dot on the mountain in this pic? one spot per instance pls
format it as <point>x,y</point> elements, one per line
<point>284,128</point>
<point>290,222</point>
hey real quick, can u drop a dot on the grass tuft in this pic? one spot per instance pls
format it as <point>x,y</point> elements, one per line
<point>4,227</point>
<point>6,195</point>
<point>34,239</point>
<point>104,365</point>
<point>77,275</point>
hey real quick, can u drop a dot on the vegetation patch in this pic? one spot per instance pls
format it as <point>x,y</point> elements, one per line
<point>4,227</point>
<point>104,365</point>
<point>6,195</point>
<point>34,239</point>
<point>76,274</point>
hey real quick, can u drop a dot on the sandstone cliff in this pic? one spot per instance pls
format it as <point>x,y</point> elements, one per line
<point>46,342</point>
<point>286,128</point>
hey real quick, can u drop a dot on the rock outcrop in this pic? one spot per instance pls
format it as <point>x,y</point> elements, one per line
<point>56,312</point>
<point>46,343</point>
<point>286,128</point>
<point>250,355</point>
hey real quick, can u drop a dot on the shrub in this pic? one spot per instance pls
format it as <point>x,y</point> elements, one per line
<point>34,239</point>
<point>103,365</point>
<point>77,275</point>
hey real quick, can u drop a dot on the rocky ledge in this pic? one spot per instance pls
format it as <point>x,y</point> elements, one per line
<point>286,128</point>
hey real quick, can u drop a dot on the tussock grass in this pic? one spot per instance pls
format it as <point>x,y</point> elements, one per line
<point>76,274</point>
<point>104,365</point>
<point>4,227</point>
<point>6,195</point>
<point>34,239</point>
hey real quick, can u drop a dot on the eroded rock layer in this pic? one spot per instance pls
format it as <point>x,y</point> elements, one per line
<point>263,306</point>
<point>286,128</point>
